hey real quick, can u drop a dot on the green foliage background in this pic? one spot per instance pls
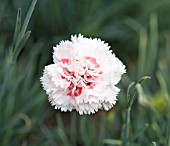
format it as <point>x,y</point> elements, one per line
<point>137,31</point>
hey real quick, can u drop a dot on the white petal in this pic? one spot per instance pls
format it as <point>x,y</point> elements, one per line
<point>83,77</point>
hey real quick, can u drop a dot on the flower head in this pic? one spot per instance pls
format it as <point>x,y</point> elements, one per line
<point>83,76</point>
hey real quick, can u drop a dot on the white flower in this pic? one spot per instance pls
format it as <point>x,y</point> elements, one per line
<point>83,76</point>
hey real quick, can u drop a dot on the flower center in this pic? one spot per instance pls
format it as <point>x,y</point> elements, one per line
<point>77,80</point>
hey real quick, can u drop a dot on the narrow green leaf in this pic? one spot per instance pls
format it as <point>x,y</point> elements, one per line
<point>7,136</point>
<point>17,28</point>
<point>144,99</point>
<point>143,40</point>
<point>154,143</point>
<point>163,85</point>
<point>11,104</point>
<point>112,142</point>
<point>9,108</point>
<point>84,133</point>
<point>102,130</point>
<point>49,135</point>
<point>27,19</point>
<point>131,97</point>
<point>62,136</point>
<point>137,134</point>
<point>153,44</point>
<point>135,25</point>
<point>59,121</point>
<point>168,136</point>
<point>20,45</point>
<point>129,88</point>
<point>143,78</point>
<point>4,84</point>
<point>73,129</point>
<point>131,100</point>
<point>127,126</point>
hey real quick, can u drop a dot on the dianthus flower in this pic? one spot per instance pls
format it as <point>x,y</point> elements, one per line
<point>83,76</point>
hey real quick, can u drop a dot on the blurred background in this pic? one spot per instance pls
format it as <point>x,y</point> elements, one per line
<point>138,33</point>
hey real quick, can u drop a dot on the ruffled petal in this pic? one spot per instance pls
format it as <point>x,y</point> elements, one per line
<point>83,77</point>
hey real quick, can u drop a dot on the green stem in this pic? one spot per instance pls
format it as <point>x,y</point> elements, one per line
<point>153,143</point>
<point>168,136</point>
<point>73,128</point>
<point>126,143</point>
<point>125,138</point>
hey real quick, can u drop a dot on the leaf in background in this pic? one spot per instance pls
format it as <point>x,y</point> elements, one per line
<point>112,142</point>
<point>137,134</point>
<point>132,85</point>
<point>143,78</point>
<point>20,45</point>
<point>144,99</point>
<point>20,37</point>
<point>153,44</point>
<point>62,136</point>
<point>27,19</point>
<point>164,86</point>
<point>168,136</point>
<point>17,28</point>
<point>154,143</point>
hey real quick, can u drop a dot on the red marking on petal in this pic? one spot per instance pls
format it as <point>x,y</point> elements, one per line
<point>92,85</point>
<point>93,60</point>
<point>69,94</point>
<point>89,77</point>
<point>62,77</point>
<point>65,61</point>
<point>67,72</point>
<point>87,57</point>
<point>78,91</point>
<point>96,65</point>
<point>71,86</point>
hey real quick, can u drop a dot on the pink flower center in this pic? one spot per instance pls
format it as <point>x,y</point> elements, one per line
<point>78,80</point>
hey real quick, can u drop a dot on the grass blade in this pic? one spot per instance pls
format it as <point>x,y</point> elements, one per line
<point>20,45</point>
<point>143,78</point>
<point>129,88</point>
<point>112,142</point>
<point>168,136</point>
<point>63,137</point>
<point>27,19</point>
<point>17,28</point>
<point>154,143</point>
<point>136,135</point>
<point>153,50</point>
<point>143,37</point>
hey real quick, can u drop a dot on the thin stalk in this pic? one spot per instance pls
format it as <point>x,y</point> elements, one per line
<point>27,19</point>
<point>154,143</point>
<point>131,96</point>
<point>168,136</point>
<point>127,126</point>
<point>143,37</point>
<point>73,128</point>
<point>136,135</point>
